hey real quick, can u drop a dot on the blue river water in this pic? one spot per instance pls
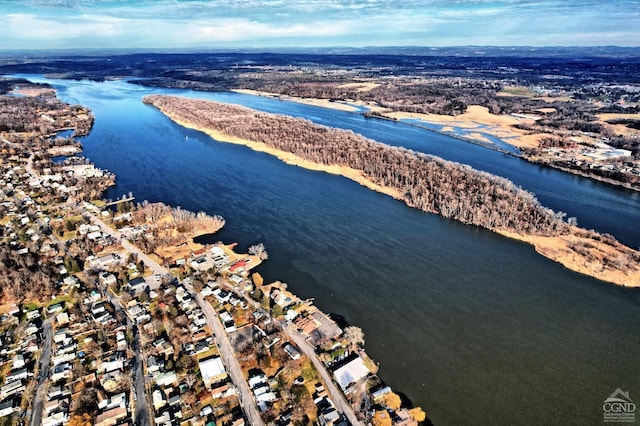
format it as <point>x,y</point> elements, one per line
<point>473,327</point>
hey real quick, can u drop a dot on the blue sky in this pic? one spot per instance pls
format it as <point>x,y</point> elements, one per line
<point>52,24</point>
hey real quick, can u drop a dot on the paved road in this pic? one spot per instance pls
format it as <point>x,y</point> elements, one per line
<point>149,263</point>
<point>335,394</point>
<point>43,374</point>
<point>246,396</point>
<point>142,410</point>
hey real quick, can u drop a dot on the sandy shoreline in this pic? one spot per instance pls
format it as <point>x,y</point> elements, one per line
<point>291,159</point>
<point>477,119</point>
<point>555,248</point>
<point>324,103</point>
<point>34,91</point>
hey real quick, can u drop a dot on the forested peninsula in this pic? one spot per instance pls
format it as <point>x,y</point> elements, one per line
<point>422,181</point>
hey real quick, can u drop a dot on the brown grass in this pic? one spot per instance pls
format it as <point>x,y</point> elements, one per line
<point>479,117</point>
<point>565,249</point>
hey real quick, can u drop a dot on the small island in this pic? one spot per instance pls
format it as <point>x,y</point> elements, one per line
<point>421,181</point>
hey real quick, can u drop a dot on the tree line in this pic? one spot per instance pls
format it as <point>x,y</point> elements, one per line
<point>425,182</point>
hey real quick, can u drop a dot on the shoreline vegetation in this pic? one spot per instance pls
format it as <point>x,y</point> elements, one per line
<point>477,120</point>
<point>425,182</point>
<point>472,126</point>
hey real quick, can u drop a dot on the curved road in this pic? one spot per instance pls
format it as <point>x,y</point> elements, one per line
<point>336,394</point>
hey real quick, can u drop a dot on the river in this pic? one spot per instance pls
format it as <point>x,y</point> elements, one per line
<point>473,327</point>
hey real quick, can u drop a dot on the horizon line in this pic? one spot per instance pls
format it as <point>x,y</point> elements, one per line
<point>278,49</point>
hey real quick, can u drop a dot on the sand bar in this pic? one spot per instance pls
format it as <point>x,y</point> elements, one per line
<point>478,118</point>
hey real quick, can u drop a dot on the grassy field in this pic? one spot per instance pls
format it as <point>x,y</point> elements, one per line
<point>520,91</point>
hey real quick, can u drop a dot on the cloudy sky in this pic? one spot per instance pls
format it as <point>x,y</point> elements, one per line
<point>38,24</point>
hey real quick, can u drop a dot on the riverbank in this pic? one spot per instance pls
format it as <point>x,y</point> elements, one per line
<point>579,252</point>
<point>323,103</point>
<point>586,253</point>
<point>289,158</point>
<point>473,126</point>
<point>477,119</point>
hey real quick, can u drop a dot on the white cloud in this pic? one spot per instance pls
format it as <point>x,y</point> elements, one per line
<point>231,23</point>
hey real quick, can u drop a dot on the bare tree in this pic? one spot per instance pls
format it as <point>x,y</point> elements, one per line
<point>354,337</point>
<point>259,250</point>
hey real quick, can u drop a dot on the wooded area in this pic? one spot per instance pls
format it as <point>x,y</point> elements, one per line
<point>428,183</point>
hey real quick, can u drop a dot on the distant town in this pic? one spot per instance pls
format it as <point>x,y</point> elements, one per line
<point>113,315</point>
<point>575,110</point>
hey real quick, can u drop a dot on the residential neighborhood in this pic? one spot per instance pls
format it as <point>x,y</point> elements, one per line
<point>112,315</point>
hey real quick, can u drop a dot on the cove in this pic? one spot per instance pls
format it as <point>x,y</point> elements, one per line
<point>475,328</point>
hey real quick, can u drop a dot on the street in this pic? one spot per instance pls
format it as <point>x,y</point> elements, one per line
<point>43,374</point>
<point>246,396</point>
<point>231,363</point>
<point>335,394</point>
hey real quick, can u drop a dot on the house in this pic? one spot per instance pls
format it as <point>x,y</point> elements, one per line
<point>329,416</point>
<point>95,295</point>
<point>227,321</point>
<point>98,308</point>
<point>292,351</point>
<point>223,391</point>
<point>19,374</point>
<point>378,395</point>
<point>152,364</point>
<point>118,400</point>
<point>111,417</point>
<point>55,419</point>
<point>18,361</point>
<point>94,236</point>
<point>221,295</point>
<point>69,283</point>
<point>62,318</point>
<point>217,251</point>
<point>167,378</point>
<point>31,315</point>
<point>212,370</point>
<point>62,371</point>
<point>11,388</point>
<point>102,399</point>
<point>137,284</point>
<point>266,397</point>
<point>61,337</point>
<point>56,406</point>
<point>239,266</point>
<point>173,396</point>
<point>55,308</point>
<point>351,372</point>
<point>85,229</point>
<point>121,341</point>
<point>201,263</point>
<point>107,279</point>
<point>158,398</point>
<point>111,365</point>
<point>105,261</point>
<point>256,380</point>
